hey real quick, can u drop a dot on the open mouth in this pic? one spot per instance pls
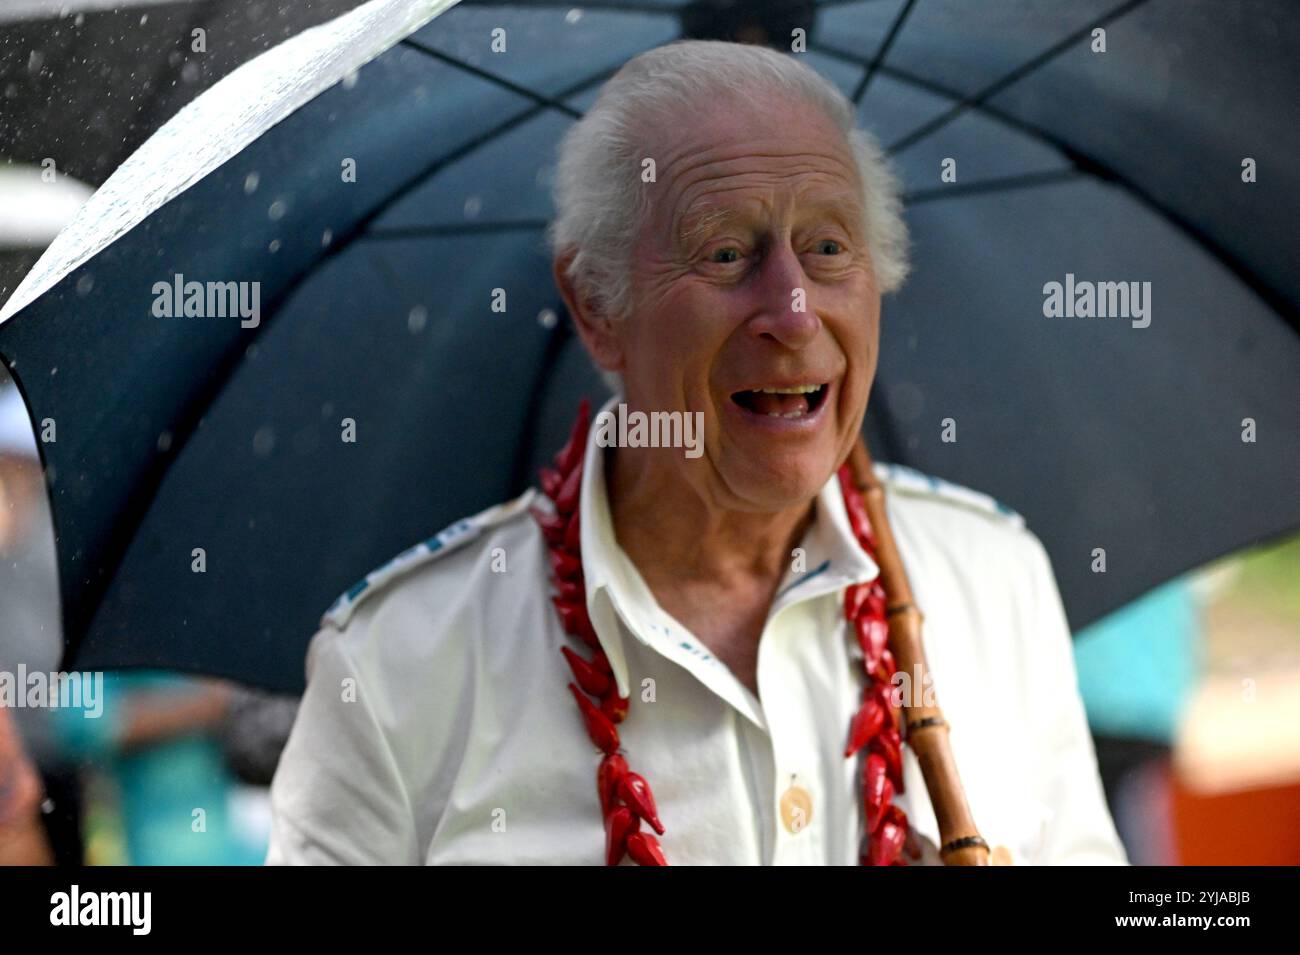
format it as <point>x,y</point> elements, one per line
<point>793,402</point>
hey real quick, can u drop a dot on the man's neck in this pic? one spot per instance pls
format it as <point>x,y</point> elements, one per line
<point>714,570</point>
<point>671,532</point>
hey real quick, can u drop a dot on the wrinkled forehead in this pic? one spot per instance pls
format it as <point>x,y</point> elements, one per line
<point>728,159</point>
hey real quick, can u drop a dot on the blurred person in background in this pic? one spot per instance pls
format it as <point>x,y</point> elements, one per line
<point>164,792</point>
<point>22,833</point>
<point>153,764</point>
<point>1138,668</point>
<point>30,633</point>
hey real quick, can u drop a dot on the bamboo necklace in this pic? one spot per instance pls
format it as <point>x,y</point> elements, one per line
<point>626,800</point>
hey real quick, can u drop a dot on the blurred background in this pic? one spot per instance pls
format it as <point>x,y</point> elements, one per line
<point>88,82</point>
<point>1192,690</point>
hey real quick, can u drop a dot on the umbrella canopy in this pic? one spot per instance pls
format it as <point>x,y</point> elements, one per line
<point>87,81</point>
<point>209,504</point>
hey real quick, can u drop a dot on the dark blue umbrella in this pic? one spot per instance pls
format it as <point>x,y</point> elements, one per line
<point>187,444</point>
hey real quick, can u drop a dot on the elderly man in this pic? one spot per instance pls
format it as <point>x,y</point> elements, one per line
<point>652,658</point>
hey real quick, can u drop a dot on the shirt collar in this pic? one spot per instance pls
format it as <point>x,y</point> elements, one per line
<point>832,558</point>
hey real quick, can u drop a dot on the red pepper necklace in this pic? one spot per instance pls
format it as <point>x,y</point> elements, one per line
<point>626,800</point>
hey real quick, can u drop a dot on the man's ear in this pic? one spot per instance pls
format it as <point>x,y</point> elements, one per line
<point>598,331</point>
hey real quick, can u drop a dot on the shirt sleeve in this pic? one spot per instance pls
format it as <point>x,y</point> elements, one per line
<point>338,797</point>
<point>1079,830</point>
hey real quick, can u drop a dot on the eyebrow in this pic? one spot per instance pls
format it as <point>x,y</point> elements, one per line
<point>699,223</point>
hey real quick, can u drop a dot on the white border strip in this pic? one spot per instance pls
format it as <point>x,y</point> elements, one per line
<point>219,124</point>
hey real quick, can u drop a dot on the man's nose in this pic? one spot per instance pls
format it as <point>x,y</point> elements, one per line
<point>786,314</point>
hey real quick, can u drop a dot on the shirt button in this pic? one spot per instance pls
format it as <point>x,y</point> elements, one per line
<point>796,808</point>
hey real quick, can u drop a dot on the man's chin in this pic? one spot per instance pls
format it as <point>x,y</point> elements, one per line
<point>778,486</point>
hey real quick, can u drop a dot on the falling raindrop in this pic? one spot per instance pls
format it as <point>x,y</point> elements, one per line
<point>273,246</point>
<point>573,16</point>
<point>277,210</point>
<point>250,183</point>
<point>350,80</point>
<point>417,318</point>
<point>326,237</point>
<point>264,441</point>
<point>906,401</point>
<point>85,284</point>
<point>164,442</point>
<point>473,206</point>
<point>547,318</point>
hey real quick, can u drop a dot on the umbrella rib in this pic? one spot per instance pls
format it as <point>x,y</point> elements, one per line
<point>1098,168</point>
<point>1000,184</point>
<point>883,51</point>
<point>494,78</point>
<point>463,150</point>
<point>1082,161</point>
<point>997,86</point>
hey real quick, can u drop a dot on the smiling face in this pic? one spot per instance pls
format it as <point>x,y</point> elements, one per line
<point>753,300</point>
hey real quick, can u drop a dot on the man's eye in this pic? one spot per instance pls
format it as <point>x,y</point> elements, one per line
<point>834,247</point>
<point>729,250</point>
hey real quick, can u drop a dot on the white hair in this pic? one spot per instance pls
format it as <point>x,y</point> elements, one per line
<point>600,202</point>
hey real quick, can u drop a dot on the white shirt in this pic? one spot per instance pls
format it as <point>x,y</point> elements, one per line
<point>437,727</point>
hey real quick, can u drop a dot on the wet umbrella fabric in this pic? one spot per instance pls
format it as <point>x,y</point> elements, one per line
<point>209,503</point>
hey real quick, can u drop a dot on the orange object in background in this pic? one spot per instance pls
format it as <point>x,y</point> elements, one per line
<point>1249,827</point>
<point>1234,791</point>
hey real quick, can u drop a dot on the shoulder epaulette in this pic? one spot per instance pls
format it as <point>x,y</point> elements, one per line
<point>911,480</point>
<point>444,542</point>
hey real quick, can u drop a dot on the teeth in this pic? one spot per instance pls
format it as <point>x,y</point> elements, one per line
<point>796,390</point>
<point>791,414</point>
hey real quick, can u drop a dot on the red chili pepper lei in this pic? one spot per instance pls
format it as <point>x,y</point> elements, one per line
<point>635,791</point>
<point>612,769</point>
<point>588,677</point>
<point>599,728</point>
<point>874,725</point>
<point>645,850</point>
<point>619,824</point>
<point>614,706</point>
<point>625,796</point>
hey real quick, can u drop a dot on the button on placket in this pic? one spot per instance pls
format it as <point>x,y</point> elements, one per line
<point>796,805</point>
<point>797,800</point>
